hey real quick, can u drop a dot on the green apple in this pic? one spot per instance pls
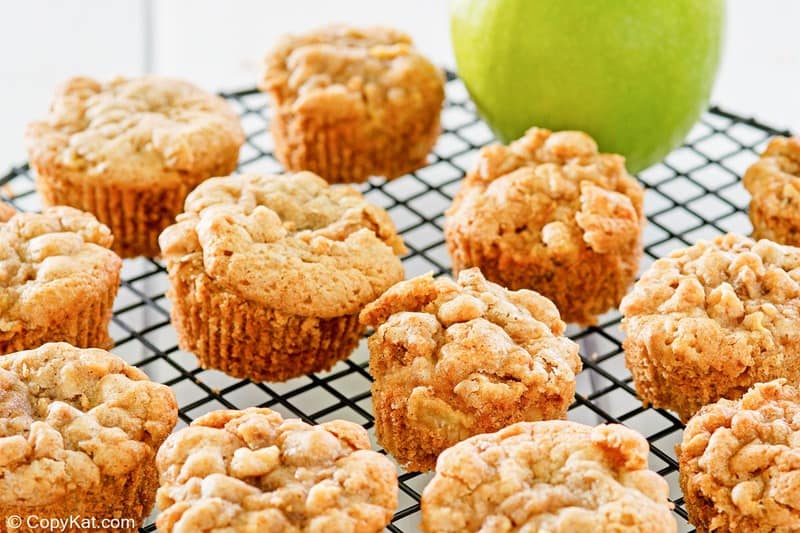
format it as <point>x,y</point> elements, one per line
<point>634,74</point>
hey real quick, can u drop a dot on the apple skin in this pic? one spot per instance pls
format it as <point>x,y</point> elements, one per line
<point>634,74</point>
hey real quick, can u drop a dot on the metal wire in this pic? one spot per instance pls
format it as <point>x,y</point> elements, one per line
<point>695,193</point>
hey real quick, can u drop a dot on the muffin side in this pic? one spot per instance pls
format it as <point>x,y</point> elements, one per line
<point>351,103</point>
<point>548,476</point>
<point>774,183</point>
<point>58,280</point>
<point>710,320</point>
<point>740,462</point>
<point>252,470</point>
<point>268,273</point>
<point>79,430</point>
<point>454,359</point>
<point>130,150</point>
<point>551,214</point>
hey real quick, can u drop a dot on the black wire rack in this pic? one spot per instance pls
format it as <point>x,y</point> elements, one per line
<point>695,193</point>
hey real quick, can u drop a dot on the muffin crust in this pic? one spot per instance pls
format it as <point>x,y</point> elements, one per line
<point>711,320</point>
<point>130,150</point>
<point>251,470</point>
<point>550,213</point>
<point>774,182</point>
<point>350,103</point>
<point>453,359</point>
<point>58,279</point>
<point>77,428</point>
<point>547,476</point>
<point>740,462</point>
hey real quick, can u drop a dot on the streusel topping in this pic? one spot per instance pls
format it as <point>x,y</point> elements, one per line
<point>462,350</point>
<point>42,255</point>
<point>291,242</point>
<point>142,129</point>
<point>69,416</point>
<point>743,457</point>
<point>352,70</point>
<point>777,174</point>
<point>252,470</point>
<point>549,193</point>
<point>729,302</point>
<point>547,476</point>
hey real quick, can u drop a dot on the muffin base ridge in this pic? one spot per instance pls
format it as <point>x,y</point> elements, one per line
<point>247,340</point>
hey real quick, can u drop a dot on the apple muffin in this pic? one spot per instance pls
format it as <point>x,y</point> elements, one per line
<point>79,431</point>
<point>710,320</point>
<point>451,359</point>
<point>58,279</point>
<point>251,470</point>
<point>352,103</point>
<point>740,462</point>
<point>130,150</point>
<point>550,213</point>
<point>268,273</point>
<point>774,183</point>
<point>548,476</point>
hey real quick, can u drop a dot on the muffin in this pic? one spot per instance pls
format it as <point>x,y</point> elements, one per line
<point>550,213</point>
<point>58,279</point>
<point>710,320</point>
<point>740,462</point>
<point>130,150</point>
<point>352,103</point>
<point>251,470</point>
<point>268,273</point>
<point>453,359</point>
<point>774,182</point>
<point>548,476</point>
<point>79,430</point>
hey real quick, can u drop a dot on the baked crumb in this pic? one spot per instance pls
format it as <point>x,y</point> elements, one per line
<point>774,182</point>
<point>453,359</point>
<point>710,320</point>
<point>547,476</point>
<point>740,462</point>
<point>252,470</point>
<point>549,212</point>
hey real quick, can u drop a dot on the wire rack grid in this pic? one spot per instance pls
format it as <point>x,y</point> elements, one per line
<point>695,193</point>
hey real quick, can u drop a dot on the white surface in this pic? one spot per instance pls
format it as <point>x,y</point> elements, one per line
<point>219,45</point>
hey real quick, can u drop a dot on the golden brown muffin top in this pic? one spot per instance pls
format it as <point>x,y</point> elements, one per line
<point>348,71</point>
<point>47,259</point>
<point>742,293</point>
<point>134,131</point>
<point>463,349</point>
<point>291,242</point>
<point>70,416</point>
<point>743,457</point>
<point>549,194</point>
<point>777,173</point>
<point>252,470</point>
<point>548,476</point>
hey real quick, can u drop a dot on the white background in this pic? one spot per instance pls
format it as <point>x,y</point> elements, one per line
<point>219,45</point>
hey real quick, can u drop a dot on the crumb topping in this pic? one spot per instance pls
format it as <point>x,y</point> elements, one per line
<point>148,129</point>
<point>43,254</point>
<point>291,242</point>
<point>252,470</point>
<point>775,177</point>
<point>70,416</point>
<point>728,303</point>
<point>743,457</point>
<point>462,351</point>
<point>549,193</point>
<point>547,476</point>
<point>349,71</point>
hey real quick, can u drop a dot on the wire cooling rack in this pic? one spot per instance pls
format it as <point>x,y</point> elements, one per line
<point>695,193</point>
